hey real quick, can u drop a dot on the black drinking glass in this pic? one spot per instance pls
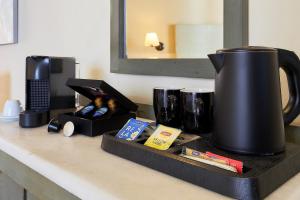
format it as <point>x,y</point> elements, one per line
<point>197,110</point>
<point>166,102</point>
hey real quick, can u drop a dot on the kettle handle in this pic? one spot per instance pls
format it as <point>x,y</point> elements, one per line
<point>290,63</point>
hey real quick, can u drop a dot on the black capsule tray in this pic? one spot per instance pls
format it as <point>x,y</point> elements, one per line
<point>262,175</point>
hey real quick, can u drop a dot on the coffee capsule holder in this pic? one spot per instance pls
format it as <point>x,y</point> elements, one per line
<point>261,174</point>
<point>91,89</point>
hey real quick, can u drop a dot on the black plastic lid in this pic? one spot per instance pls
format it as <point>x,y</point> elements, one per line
<point>94,88</point>
<point>247,49</point>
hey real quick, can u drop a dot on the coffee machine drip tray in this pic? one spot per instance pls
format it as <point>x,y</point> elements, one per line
<point>262,174</point>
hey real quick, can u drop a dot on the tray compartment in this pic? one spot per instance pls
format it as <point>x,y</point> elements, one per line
<point>259,179</point>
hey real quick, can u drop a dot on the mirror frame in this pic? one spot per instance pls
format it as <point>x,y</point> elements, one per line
<point>235,35</point>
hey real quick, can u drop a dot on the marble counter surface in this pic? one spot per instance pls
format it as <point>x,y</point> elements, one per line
<point>80,166</point>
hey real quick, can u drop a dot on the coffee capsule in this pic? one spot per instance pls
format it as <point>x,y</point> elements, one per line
<point>69,129</point>
<point>54,126</point>
<point>100,112</point>
<point>86,111</point>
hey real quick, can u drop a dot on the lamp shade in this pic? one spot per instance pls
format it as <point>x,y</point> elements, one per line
<point>151,40</point>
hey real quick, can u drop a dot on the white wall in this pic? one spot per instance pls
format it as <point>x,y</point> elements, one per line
<point>82,29</point>
<point>276,23</point>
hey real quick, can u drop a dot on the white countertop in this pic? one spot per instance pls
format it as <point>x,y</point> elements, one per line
<point>80,166</point>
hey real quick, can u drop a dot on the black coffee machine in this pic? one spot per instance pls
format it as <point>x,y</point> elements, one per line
<point>46,92</point>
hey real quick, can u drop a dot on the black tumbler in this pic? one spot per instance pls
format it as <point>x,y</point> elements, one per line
<point>197,110</point>
<point>166,102</point>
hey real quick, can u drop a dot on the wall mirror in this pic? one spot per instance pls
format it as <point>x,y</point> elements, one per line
<point>173,37</point>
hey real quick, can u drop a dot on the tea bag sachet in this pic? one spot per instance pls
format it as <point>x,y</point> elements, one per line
<point>163,137</point>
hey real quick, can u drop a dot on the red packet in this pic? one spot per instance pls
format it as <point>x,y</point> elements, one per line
<point>234,163</point>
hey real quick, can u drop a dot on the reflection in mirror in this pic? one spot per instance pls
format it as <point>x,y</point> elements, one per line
<point>173,28</point>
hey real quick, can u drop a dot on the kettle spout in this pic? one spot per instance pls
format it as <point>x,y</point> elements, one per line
<point>217,60</point>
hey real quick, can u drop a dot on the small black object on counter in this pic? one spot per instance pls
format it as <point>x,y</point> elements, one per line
<point>54,126</point>
<point>108,110</point>
<point>33,119</point>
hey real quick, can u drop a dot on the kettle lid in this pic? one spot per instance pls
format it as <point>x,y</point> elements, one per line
<point>247,49</point>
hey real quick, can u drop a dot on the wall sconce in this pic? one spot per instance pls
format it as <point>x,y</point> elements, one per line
<point>151,40</point>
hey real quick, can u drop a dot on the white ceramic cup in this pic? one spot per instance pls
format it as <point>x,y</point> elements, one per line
<point>12,108</point>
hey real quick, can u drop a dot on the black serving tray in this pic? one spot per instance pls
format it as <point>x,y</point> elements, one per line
<point>262,175</point>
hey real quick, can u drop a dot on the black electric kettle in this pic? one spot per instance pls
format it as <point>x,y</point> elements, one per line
<point>248,107</point>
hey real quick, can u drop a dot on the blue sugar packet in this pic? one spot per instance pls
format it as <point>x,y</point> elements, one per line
<point>132,130</point>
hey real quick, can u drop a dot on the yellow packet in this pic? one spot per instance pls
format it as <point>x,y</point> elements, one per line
<point>163,137</point>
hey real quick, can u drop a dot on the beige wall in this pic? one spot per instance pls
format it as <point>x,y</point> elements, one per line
<point>81,29</point>
<point>276,23</point>
<point>161,16</point>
